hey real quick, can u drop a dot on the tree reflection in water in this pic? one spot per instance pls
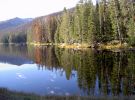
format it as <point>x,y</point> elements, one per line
<point>98,72</point>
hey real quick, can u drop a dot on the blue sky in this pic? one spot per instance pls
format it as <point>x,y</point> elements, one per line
<point>32,8</point>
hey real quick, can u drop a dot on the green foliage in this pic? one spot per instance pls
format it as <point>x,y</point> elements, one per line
<point>106,21</point>
<point>5,39</point>
<point>88,27</point>
<point>78,24</point>
<point>131,40</point>
<point>64,27</point>
<point>14,38</point>
<point>86,23</point>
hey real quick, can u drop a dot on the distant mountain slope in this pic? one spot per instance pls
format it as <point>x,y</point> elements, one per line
<point>18,24</point>
<point>19,30</point>
<point>4,25</point>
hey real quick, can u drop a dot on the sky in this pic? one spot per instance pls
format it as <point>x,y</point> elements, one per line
<point>32,8</point>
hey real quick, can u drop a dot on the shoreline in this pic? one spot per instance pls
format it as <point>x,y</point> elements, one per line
<point>99,46</point>
<point>111,46</point>
<point>7,94</point>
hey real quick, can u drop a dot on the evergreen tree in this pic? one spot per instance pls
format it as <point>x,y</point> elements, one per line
<point>57,32</point>
<point>71,28</point>
<point>116,18</point>
<point>87,23</point>
<point>97,22</point>
<point>105,23</point>
<point>91,24</point>
<point>64,27</point>
<point>78,22</point>
<point>131,24</point>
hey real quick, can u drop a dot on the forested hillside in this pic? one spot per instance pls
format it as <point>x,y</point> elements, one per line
<point>14,30</point>
<point>90,24</point>
<point>106,21</point>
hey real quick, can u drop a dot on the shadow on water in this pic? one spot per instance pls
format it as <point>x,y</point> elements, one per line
<point>99,73</point>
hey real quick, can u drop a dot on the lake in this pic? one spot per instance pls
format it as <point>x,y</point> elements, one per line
<point>48,70</point>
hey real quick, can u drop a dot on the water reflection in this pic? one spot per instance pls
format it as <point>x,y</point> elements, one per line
<point>12,54</point>
<point>98,72</point>
<point>87,72</point>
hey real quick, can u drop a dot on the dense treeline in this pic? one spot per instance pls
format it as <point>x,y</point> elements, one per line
<point>43,29</point>
<point>87,23</point>
<point>14,30</point>
<point>14,38</point>
<point>16,35</point>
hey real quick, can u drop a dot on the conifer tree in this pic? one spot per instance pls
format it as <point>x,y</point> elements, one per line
<point>97,22</point>
<point>64,27</point>
<point>116,18</point>
<point>105,23</point>
<point>91,24</point>
<point>78,22</point>
<point>131,24</point>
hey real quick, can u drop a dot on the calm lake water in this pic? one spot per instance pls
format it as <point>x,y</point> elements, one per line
<point>54,71</point>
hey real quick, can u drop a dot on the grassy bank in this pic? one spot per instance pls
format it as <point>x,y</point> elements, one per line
<point>40,44</point>
<point>112,45</point>
<point>74,46</point>
<point>63,45</point>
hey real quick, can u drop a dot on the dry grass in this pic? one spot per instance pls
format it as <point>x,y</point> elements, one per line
<point>40,44</point>
<point>114,45</point>
<point>63,45</point>
<point>74,46</point>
